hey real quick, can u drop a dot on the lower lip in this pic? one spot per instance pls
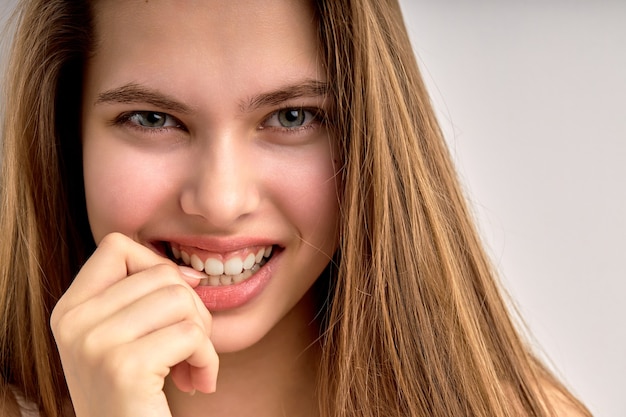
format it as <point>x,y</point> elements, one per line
<point>228,297</point>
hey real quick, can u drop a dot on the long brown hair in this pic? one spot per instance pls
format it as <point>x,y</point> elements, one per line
<point>41,215</point>
<point>416,324</point>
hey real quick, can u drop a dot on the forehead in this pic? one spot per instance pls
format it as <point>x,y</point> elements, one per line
<point>241,19</point>
<point>199,44</point>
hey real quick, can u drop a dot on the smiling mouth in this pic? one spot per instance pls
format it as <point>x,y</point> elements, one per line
<point>233,270</point>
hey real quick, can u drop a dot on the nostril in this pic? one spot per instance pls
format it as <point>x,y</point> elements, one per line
<point>222,195</point>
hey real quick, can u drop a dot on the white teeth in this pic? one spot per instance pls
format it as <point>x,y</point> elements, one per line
<point>196,263</point>
<point>213,267</point>
<point>233,266</point>
<point>243,276</point>
<point>233,271</point>
<point>185,257</point>
<point>249,261</point>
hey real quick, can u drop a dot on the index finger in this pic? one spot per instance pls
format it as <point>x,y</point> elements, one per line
<point>116,257</point>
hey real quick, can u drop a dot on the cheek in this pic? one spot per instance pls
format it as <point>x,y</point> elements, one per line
<point>121,188</point>
<point>307,191</point>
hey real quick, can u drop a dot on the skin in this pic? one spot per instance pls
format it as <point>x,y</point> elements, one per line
<point>223,171</point>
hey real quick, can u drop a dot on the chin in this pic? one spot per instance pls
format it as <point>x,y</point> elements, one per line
<point>231,335</point>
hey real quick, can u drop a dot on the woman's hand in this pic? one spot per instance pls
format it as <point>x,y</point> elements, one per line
<point>128,320</point>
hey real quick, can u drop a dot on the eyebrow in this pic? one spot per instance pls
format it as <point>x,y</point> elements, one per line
<point>307,88</point>
<point>135,93</point>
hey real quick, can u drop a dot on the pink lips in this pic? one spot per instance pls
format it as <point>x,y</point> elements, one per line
<point>226,297</point>
<point>236,295</point>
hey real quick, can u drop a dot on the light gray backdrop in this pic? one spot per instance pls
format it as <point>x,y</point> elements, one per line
<point>532,98</point>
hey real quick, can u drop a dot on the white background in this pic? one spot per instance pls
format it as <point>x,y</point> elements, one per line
<point>532,98</point>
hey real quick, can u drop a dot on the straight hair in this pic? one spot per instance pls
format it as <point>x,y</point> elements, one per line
<point>415,323</point>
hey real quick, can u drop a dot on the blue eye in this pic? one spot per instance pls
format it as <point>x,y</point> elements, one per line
<point>152,120</point>
<point>292,118</point>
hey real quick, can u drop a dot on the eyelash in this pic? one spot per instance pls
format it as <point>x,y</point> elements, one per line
<point>312,116</point>
<point>126,119</point>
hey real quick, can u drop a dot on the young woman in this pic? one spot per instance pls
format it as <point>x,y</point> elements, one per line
<point>241,208</point>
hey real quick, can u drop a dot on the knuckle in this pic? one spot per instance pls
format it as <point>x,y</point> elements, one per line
<point>71,338</point>
<point>166,270</point>
<point>190,331</point>
<point>179,302</point>
<point>113,244</point>
<point>179,296</point>
<point>60,330</point>
<point>56,316</point>
<point>91,347</point>
<point>63,325</point>
<point>114,239</point>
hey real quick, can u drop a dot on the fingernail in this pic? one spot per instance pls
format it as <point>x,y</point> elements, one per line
<point>192,393</point>
<point>191,276</point>
<point>191,273</point>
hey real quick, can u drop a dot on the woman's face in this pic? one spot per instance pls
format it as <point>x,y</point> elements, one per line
<point>204,139</point>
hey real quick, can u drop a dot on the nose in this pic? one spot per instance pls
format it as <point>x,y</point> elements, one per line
<point>222,187</point>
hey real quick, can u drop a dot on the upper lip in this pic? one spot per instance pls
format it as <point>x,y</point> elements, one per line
<point>219,245</point>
